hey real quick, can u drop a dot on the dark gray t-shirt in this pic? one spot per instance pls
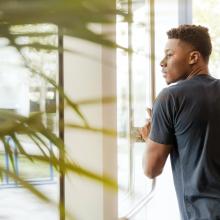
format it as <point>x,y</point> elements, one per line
<point>187,116</point>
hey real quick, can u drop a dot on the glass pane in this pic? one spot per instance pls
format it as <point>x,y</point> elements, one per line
<point>211,20</point>
<point>140,90</point>
<point>140,63</point>
<point>164,204</point>
<point>122,103</point>
<point>133,95</point>
<point>166,18</point>
<point>122,110</point>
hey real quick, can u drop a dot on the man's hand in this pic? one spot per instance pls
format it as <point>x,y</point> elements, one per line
<point>144,132</point>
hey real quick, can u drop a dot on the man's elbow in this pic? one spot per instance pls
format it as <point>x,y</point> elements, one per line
<point>152,173</point>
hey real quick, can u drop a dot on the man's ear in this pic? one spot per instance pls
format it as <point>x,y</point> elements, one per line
<point>194,57</point>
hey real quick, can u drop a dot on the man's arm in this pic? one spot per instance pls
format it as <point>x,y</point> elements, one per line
<point>155,154</point>
<point>154,158</point>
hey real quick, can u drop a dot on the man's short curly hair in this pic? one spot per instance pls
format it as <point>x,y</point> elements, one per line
<point>195,35</point>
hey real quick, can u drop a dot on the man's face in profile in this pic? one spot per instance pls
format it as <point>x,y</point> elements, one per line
<point>175,64</point>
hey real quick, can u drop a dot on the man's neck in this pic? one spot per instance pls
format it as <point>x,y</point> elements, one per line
<point>198,70</point>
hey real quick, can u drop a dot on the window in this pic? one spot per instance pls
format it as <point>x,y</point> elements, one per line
<point>210,20</point>
<point>135,88</point>
<point>24,90</point>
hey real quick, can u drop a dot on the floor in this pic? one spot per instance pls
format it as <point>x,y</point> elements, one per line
<point>18,204</point>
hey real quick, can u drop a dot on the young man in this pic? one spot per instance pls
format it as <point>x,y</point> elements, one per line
<point>186,124</point>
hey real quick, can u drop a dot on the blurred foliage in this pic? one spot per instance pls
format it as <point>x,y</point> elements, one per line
<point>74,18</point>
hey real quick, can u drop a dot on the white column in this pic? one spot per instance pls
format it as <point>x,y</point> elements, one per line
<point>89,74</point>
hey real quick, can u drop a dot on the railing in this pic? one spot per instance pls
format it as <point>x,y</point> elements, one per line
<point>7,183</point>
<point>140,204</point>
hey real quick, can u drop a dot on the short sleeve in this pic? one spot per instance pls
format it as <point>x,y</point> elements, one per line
<point>162,128</point>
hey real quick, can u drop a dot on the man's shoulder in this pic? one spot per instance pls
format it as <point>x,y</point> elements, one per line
<point>165,96</point>
<point>175,91</point>
<point>171,90</point>
<point>199,81</point>
<point>183,86</point>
